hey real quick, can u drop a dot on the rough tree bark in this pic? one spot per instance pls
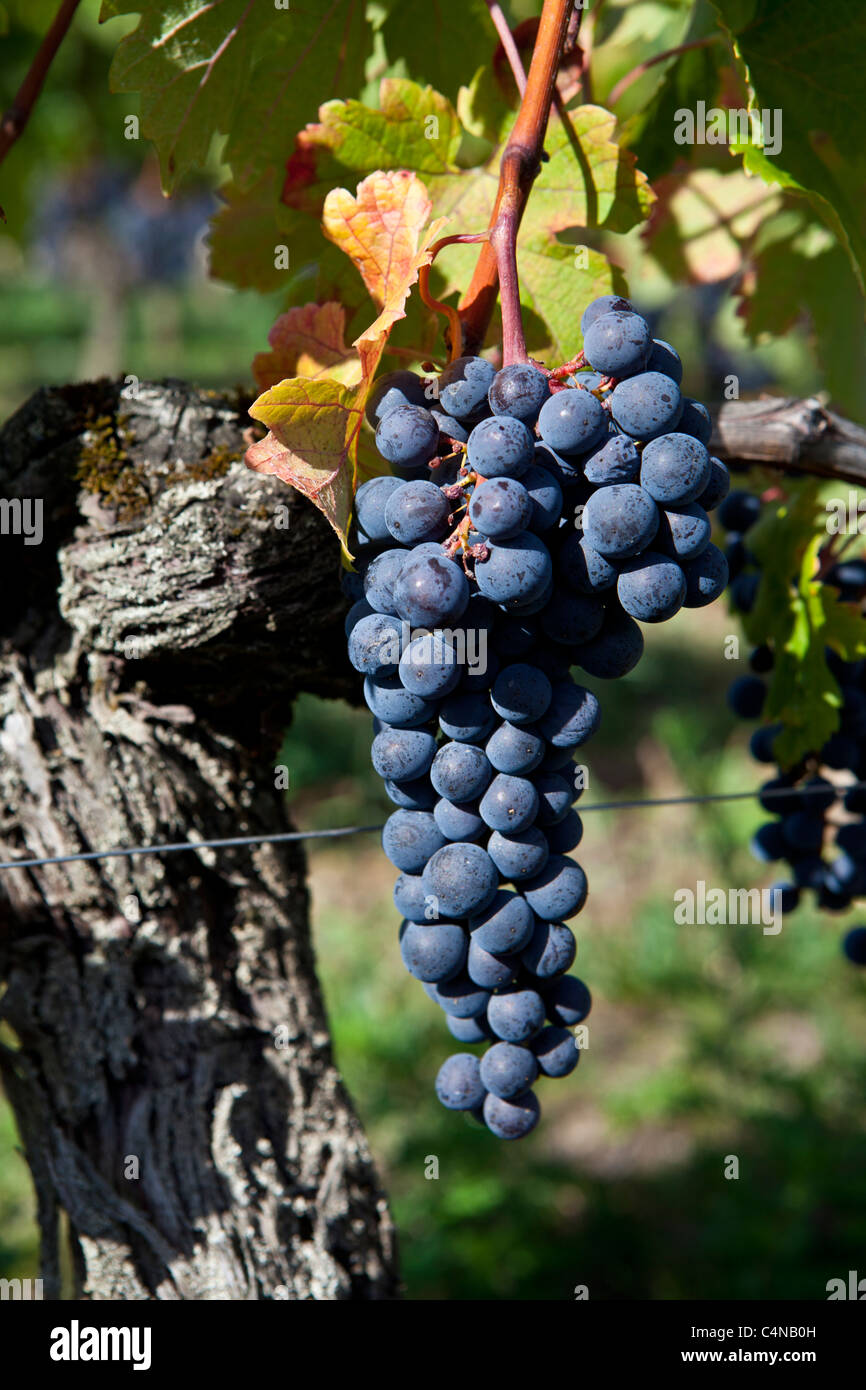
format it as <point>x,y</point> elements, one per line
<point>166,1011</point>
<point>172,1075</point>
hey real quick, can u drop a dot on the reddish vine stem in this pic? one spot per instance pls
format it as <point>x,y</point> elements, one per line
<point>509,47</point>
<point>438,305</point>
<point>17,115</point>
<point>521,160</point>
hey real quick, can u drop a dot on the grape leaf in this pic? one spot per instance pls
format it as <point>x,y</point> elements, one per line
<point>308,341</point>
<point>702,225</point>
<point>252,72</point>
<point>314,425</point>
<point>444,44</point>
<point>556,283</point>
<point>800,616</point>
<point>816,81</point>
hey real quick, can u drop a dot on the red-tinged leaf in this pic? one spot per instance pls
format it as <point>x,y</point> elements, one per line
<point>312,444</point>
<point>308,341</point>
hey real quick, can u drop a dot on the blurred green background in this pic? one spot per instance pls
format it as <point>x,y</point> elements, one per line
<point>705,1041</point>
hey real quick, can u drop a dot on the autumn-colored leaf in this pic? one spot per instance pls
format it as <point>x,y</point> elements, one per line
<point>308,341</point>
<point>312,442</point>
<point>379,228</point>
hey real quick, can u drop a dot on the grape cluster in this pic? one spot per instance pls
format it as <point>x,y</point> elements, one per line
<point>824,856</point>
<point>531,521</point>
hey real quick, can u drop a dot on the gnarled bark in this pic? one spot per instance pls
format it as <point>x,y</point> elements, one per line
<point>173,1082</point>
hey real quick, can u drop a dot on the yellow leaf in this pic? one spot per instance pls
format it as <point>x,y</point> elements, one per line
<point>308,341</point>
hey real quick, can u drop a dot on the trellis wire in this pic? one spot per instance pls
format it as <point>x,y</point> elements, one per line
<point>279,837</point>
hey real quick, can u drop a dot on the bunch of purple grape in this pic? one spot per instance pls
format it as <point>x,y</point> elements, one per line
<point>530,523</point>
<point>825,857</point>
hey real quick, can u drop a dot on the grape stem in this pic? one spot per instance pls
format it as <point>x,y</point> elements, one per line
<point>521,161</point>
<point>18,114</point>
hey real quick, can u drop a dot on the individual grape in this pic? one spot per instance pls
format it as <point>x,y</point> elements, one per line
<point>739,511</point>
<point>556,1051</point>
<point>572,421</point>
<point>684,533</point>
<point>804,831</point>
<point>505,925</point>
<point>460,997</point>
<point>429,666</point>
<point>416,795</point>
<point>458,1082</point>
<point>417,511</point>
<point>467,716</point>
<point>390,701</point>
<point>620,521</point>
<point>462,877</point>
<point>695,420</point>
<point>515,749</point>
<point>568,1001</point>
<point>409,839</point>
<point>407,436</point>
<point>651,588</point>
<point>509,804</point>
<point>706,577</point>
<point>717,488</point>
<point>370,502</point>
<point>854,945</point>
<point>762,741</point>
<point>516,1014</point>
<point>573,716</point>
<point>519,390</point>
<point>500,508</point>
<point>566,835</point>
<point>468,1030</point>
<point>516,570</point>
<point>615,651</point>
<point>768,843</point>
<point>500,447</point>
<point>675,469</point>
<point>461,771</point>
<point>545,495</point>
<point>570,619</point>
<point>449,429</point>
<point>463,386</point>
<point>618,343</point>
<point>521,693</point>
<point>459,820</point>
<point>551,951</point>
<point>558,892</point>
<point>508,1070</point>
<point>615,461</point>
<point>487,970</point>
<point>511,1119</point>
<point>646,405</point>
<point>410,899</point>
<point>584,569</point>
<point>746,697</point>
<point>555,796</point>
<point>430,590</point>
<point>744,591</point>
<point>849,577</point>
<point>527,608</point>
<point>376,644</point>
<point>391,390</point>
<point>519,855</point>
<point>399,755</point>
<point>433,951</point>
<point>665,359</point>
<point>586,379</point>
<point>380,578</point>
<point>360,609</point>
<point>605,304</point>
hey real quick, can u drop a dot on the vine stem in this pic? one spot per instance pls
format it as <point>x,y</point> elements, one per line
<point>626,81</point>
<point>509,47</point>
<point>521,160</point>
<point>18,114</point>
<point>437,305</point>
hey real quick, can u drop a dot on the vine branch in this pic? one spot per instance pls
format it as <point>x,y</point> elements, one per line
<point>801,437</point>
<point>18,114</point>
<point>521,160</point>
<point>509,47</point>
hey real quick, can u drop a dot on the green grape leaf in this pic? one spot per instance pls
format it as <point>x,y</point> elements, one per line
<point>443,44</point>
<point>252,72</point>
<point>556,284</point>
<point>816,83</point>
<point>799,616</point>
